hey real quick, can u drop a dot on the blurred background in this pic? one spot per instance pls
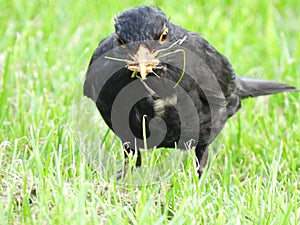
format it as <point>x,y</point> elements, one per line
<point>45,48</point>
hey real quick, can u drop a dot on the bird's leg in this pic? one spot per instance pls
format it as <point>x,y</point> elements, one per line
<point>130,151</point>
<point>127,152</point>
<point>202,158</point>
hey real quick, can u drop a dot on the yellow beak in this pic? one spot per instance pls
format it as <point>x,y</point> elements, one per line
<point>143,70</point>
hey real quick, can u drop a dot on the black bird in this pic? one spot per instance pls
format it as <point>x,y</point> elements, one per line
<point>153,74</point>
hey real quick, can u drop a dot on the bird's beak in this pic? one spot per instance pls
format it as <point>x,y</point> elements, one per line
<point>143,61</point>
<point>143,70</point>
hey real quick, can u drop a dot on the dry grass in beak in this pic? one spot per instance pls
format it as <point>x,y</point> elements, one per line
<point>143,62</point>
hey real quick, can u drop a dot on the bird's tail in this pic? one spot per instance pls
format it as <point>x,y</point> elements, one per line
<point>253,87</point>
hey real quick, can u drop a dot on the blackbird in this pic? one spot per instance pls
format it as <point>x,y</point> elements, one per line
<point>158,84</point>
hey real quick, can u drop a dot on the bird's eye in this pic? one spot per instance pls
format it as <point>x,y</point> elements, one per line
<point>120,41</point>
<point>163,36</point>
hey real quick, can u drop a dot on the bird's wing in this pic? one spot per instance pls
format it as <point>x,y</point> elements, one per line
<point>101,69</point>
<point>104,46</point>
<point>216,66</point>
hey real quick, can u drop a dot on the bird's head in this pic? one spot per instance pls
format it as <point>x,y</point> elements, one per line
<point>141,23</point>
<point>140,29</point>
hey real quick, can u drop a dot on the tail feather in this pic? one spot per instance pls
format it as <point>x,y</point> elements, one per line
<point>253,87</point>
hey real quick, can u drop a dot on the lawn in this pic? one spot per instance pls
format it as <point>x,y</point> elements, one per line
<point>57,154</point>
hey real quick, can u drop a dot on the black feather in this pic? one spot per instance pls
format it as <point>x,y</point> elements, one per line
<point>253,87</point>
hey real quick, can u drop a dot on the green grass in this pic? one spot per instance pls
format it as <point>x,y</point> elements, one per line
<point>56,153</point>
